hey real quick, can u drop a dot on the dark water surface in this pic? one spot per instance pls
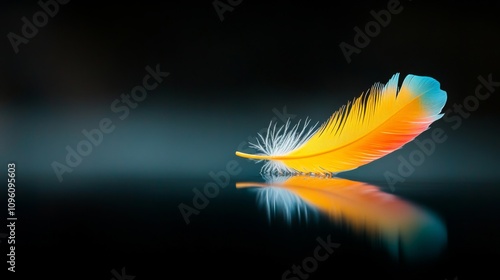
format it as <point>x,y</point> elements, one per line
<point>258,230</point>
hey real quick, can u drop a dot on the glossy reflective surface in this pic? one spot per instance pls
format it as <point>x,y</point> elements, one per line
<point>259,228</point>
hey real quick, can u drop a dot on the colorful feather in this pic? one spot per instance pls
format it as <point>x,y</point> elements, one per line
<point>368,128</point>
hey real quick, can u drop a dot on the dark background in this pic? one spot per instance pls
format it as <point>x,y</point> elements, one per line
<point>119,207</point>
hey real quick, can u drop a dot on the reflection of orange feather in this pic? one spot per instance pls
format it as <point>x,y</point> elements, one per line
<point>372,126</point>
<point>364,208</point>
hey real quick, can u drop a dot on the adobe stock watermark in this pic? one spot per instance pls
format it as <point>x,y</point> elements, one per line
<point>221,7</point>
<point>222,178</point>
<point>120,106</point>
<point>372,29</point>
<point>121,276</point>
<point>30,28</point>
<point>310,264</point>
<point>455,116</point>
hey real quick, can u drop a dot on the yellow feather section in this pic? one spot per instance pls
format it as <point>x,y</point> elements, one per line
<point>371,126</point>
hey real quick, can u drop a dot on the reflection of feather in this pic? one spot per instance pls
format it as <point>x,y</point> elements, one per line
<point>280,203</point>
<point>372,126</point>
<point>401,226</point>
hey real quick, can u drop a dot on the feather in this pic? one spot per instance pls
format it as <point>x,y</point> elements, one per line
<point>373,125</point>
